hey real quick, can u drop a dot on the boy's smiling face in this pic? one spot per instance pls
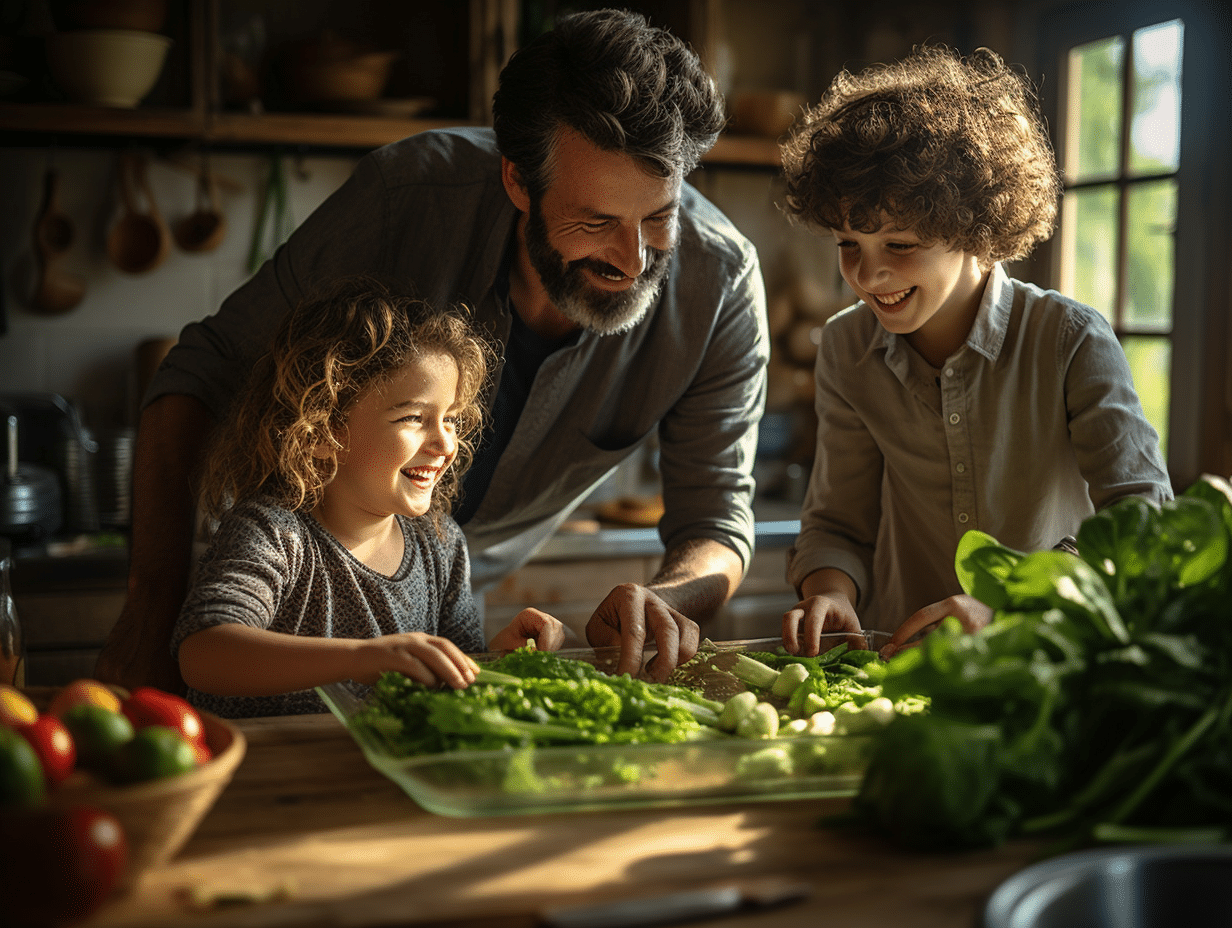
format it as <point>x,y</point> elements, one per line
<point>927,293</point>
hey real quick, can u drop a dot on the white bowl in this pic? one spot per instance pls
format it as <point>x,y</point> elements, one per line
<point>107,67</point>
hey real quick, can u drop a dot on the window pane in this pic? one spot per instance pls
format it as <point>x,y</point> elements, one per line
<point>1155,136</point>
<point>1093,113</point>
<point>1089,247</point>
<point>1150,361</point>
<point>1149,274</point>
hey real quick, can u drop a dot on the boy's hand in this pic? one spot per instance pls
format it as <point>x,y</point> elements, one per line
<point>972,613</point>
<point>428,659</point>
<point>815,616</point>
<point>548,632</point>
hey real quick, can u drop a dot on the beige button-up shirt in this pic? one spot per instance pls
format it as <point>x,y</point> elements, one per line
<point>1026,430</point>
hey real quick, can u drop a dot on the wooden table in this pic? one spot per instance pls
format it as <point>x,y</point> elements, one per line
<point>305,811</point>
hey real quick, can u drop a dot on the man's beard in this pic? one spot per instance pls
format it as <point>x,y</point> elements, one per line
<point>603,312</point>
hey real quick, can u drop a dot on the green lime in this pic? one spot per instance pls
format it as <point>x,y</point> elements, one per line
<point>154,752</point>
<point>98,733</point>
<point>21,774</point>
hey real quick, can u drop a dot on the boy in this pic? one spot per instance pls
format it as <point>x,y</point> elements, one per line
<point>950,397</point>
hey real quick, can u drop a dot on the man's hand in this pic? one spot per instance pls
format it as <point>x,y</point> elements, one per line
<point>694,582</point>
<point>629,617</point>
<point>972,613</point>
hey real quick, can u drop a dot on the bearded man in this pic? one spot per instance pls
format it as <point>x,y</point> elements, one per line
<point>623,305</point>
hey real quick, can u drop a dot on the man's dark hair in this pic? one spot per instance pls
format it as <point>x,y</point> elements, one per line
<point>621,83</point>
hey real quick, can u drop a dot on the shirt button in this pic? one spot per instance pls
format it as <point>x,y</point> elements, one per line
<point>960,467</point>
<point>949,372</point>
<point>955,418</point>
<point>963,517</point>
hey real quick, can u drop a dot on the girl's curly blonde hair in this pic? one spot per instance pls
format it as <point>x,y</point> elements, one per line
<point>951,148</point>
<point>330,351</point>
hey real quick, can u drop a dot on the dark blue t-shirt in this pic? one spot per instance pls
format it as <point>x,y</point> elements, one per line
<point>524,354</point>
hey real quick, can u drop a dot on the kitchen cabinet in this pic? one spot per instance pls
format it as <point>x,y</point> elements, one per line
<point>67,606</point>
<point>451,54</point>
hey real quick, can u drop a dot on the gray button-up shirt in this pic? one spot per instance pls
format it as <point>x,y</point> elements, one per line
<point>1026,430</point>
<point>430,212</point>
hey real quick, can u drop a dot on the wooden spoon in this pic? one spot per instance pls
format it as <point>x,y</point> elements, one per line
<point>204,228</point>
<point>138,242</point>
<point>55,291</point>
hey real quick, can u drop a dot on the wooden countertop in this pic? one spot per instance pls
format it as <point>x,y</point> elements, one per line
<point>305,810</point>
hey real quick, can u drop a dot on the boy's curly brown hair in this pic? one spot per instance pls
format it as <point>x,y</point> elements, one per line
<point>951,148</point>
<point>329,352</point>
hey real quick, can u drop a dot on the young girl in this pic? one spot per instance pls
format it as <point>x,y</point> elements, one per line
<point>950,397</point>
<point>335,557</point>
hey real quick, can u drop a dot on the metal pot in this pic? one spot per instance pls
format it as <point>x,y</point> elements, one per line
<point>30,501</point>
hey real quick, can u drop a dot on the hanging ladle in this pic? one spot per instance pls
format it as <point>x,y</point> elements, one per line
<point>204,228</point>
<point>55,290</point>
<point>138,242</point>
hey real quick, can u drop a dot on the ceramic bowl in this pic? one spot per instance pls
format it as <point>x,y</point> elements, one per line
<point>107,67</point>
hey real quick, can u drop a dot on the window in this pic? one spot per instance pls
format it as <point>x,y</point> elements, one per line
<point>1136,95</point>
<point>1122,104</point>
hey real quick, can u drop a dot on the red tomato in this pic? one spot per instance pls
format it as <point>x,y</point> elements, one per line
<point>15,708</point>
<point>64,865</point>
<point>148,706</point>
<point>54,746</point>
<point>89,692</point>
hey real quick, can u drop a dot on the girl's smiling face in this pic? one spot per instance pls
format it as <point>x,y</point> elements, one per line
<point>399,439</point>
<point>927,293</point>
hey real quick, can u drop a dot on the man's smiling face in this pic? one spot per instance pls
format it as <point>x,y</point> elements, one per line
<point>601,236</point>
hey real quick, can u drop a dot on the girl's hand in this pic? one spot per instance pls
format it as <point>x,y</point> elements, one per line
<point>814,616</point>
<point>428,659</point>
<point>972,613</point>
<point>548,632</point>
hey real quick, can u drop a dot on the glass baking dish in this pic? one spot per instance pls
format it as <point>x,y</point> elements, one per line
<point>589,777</point>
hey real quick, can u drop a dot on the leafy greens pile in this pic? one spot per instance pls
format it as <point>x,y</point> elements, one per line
<point>533,698</point>
<point>1097,705</point>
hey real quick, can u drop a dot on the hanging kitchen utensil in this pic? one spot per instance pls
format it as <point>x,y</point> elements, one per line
<point>204,228</point>
<point>274,222</point>
<point>138,242</point>
<point>55,290</point>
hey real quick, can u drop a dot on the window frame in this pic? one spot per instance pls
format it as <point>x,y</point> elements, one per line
<point>1200,406</point>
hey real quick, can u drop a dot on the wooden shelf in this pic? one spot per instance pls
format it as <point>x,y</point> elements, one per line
<point>316,129</point>
<point>75,119</point>
<point>324,130</point>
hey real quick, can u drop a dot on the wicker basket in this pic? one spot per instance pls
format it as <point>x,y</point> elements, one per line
<point>159,816</point>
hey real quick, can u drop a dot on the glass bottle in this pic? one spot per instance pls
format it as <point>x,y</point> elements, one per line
<point>12,645</point>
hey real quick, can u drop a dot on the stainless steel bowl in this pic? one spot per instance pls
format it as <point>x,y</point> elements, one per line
<point>1121,887</point>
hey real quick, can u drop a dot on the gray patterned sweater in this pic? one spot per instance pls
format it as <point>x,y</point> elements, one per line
<point>270,568</point>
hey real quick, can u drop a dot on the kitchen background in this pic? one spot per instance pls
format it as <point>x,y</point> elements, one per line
<point>246,98</point>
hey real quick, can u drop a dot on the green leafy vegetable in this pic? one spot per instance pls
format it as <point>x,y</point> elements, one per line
<point>1097,705</point>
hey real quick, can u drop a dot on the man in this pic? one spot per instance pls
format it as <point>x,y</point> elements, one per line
<point>623,303</point>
